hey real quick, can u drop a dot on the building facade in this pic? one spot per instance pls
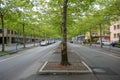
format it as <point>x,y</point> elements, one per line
<point>95,34</point>
<point>115,31</point>
<point>11,36</point>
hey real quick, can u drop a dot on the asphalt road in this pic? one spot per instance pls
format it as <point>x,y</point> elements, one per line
<point>25,64</point>
<point>105,65</point>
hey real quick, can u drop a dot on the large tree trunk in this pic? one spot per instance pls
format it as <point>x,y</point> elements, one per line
<point>64,57</point>
<point>3,38</point>
<point>24,38</point>
<point>101,45</point>
<point>90,37</point>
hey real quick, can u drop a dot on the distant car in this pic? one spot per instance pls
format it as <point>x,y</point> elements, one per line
<point>98,42</point>
<point>43,43</point>
<point>106,43</point>
<point>71,41</point>
<point>114,43</point>
<point>19,42</point>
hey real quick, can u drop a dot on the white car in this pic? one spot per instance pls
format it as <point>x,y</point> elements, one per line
<point>107,43</point>
<point>43,43</point>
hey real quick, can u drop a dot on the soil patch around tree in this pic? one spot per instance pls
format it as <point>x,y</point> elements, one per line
<point>57,68</point>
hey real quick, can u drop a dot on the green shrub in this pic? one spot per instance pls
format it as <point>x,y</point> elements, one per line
<point>5,52</point>
<point>118,43</point>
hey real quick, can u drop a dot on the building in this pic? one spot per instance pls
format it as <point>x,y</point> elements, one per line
<point>95,34</point>
<point>115,31</point>
<point>11,36</point>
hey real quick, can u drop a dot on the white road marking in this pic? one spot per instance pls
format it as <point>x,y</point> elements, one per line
<point>87,66</point>
<point>108,54</point>
<point>9,58</point>
<point>104,53</point>
<point>43,66</point>
<point>20,55</point>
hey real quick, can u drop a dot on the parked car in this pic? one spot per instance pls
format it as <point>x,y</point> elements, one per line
<point>98,42</point>
<point>19,42</point>
<point>71,41</point>
<point>106,43</point>
<point>43,43</point>
<point>114,43</point>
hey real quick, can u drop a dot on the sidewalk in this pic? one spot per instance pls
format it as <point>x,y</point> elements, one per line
<point>13,48</point>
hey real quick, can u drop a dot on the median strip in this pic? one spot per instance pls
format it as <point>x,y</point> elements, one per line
<point>56,68</point>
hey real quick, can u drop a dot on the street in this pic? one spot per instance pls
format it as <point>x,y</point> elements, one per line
<point>25,64</point>
<point>13,66</point>
<point>104,64</point>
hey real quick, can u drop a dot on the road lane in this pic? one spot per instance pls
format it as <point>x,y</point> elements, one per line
<point>11,68</point>
<point>104,65</point>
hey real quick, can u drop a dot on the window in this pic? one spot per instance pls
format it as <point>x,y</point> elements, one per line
<point>8,31</point>
<point>118,26</point>
<point>118,34</point>
<point>15,32</point>
<point>114,35</point>
<point>114,27</point>
<point>12,32</point>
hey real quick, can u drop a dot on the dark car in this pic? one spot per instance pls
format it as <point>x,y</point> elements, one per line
<point>71,41</point>
<point>114,43</point>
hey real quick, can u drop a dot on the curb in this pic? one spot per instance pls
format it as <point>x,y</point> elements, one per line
<point>63,72</point>
<point>15,51</point>
<point>2,55</point>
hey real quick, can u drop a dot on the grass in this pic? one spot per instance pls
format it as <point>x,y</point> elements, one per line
<point>5,52</point>
<point>118,44</point>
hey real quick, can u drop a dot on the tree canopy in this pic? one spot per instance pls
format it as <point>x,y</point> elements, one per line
<point>46,15</point>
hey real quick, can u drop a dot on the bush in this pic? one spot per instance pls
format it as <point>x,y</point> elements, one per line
<point>118,43</point>
<point>5,52</point>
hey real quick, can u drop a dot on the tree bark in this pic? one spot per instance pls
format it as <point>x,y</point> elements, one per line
<point>101,45</point>
<point>3,37</point>
<point>90,37</point>
<point>64,57</point>
<point>24,39</point>
<point>34,37</point>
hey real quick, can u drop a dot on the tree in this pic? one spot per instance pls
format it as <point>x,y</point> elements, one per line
<point>5,7</point>
<point>64,57</point>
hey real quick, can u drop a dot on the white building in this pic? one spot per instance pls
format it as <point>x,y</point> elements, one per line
<point>115,31</point>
